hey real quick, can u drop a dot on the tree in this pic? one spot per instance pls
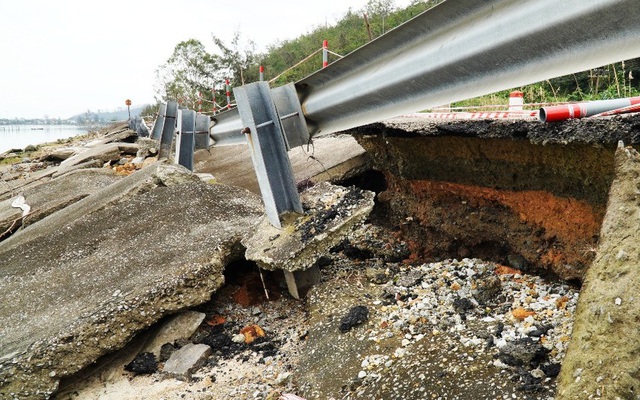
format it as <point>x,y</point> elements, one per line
<point>381,9</point>
<point>239,60</point>
<point>189,70</point>
<point>192,70</point>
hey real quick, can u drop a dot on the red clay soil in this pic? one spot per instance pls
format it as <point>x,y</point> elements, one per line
<point>530,229</point>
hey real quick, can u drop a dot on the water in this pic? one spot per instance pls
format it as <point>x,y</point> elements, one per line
<point>20,136</point>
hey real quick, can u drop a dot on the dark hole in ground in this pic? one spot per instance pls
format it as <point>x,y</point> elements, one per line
<point>245,287</point>
<point>372,180</point>
<point>243,281</point>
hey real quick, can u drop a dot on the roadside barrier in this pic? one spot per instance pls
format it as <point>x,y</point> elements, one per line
<point>189,129</point>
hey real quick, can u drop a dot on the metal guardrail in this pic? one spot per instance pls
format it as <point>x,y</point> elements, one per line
<point>459,50</point>
<point>456,50</point>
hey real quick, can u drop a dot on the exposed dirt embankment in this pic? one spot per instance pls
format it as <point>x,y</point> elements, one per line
<point>523,194</point>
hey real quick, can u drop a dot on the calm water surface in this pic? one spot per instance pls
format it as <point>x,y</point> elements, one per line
<point>20,136</point>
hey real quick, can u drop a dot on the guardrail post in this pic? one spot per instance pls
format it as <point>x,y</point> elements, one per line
<point>187,139</point>
<point>291,116</point>
<point>168,129</point>
<point>159,124</point>
<point>268,150</point>
<point>202,131</point>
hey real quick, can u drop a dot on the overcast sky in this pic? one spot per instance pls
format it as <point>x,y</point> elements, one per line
<point>61,58</point>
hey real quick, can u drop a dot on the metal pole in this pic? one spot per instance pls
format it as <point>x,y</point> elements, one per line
<point>159,124</point>
<point>168,129</point>
<point>268,150</point>
<point>213,98</point>
<point>261,73</point>
<point>581,110</point>
<point>202,131</point>
<point>187,139</point>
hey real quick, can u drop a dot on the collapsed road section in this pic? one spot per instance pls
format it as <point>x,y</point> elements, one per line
<point>82,281</point>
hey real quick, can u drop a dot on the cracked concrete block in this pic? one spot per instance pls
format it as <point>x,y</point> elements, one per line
<point>330,212</point>
<point>186,361</point>
<point>180,326</point>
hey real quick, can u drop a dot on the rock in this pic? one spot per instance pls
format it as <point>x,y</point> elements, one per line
<point>238,338</point>
<point>147,147</point>
<point>356,316</point>
<point>409,278</point>
<point>185,361</point>
<point>165,351</point>
<point>60,154</point>
<point>30,148</point>
<point>550,370</point>
<point>180,326</point>
<point>143,364</point>
<point>523,352</point>
<point>377,276</point>
<point>251,333</point>
<point>487,289</point>
<point>462,305</point>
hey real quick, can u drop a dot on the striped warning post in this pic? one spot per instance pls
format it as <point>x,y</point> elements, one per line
<point>325,53</point>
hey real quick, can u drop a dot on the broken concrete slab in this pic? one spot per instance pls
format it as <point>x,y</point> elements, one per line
<point>602,358</point>
<point>330,212</point>
<point>92,155</point>
<point>180,326</point>
<point>55,195</point>
<point>81,282</point>
<point>159,174</point>
<point>106,153</point>
<point>60,154</point>
<point>186,361</point>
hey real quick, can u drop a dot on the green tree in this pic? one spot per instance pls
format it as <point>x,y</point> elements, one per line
<point>380,9</point>
<point>189,70</point>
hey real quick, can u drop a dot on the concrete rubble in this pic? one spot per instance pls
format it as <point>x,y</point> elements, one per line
<point>54,195</point>
<point>136,248</point>
<point>179,326</point>
<point>186,360</point>
<point>330,213</point>
<point>133,251</point>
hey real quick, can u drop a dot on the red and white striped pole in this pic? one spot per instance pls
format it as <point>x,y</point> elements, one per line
<point>516,100</point>
<point>228,84</point>
<point>213,97</point>
<point>581,110</point>
<point>261,73</point>
<point>199,102</point>
<point>325,53</point>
